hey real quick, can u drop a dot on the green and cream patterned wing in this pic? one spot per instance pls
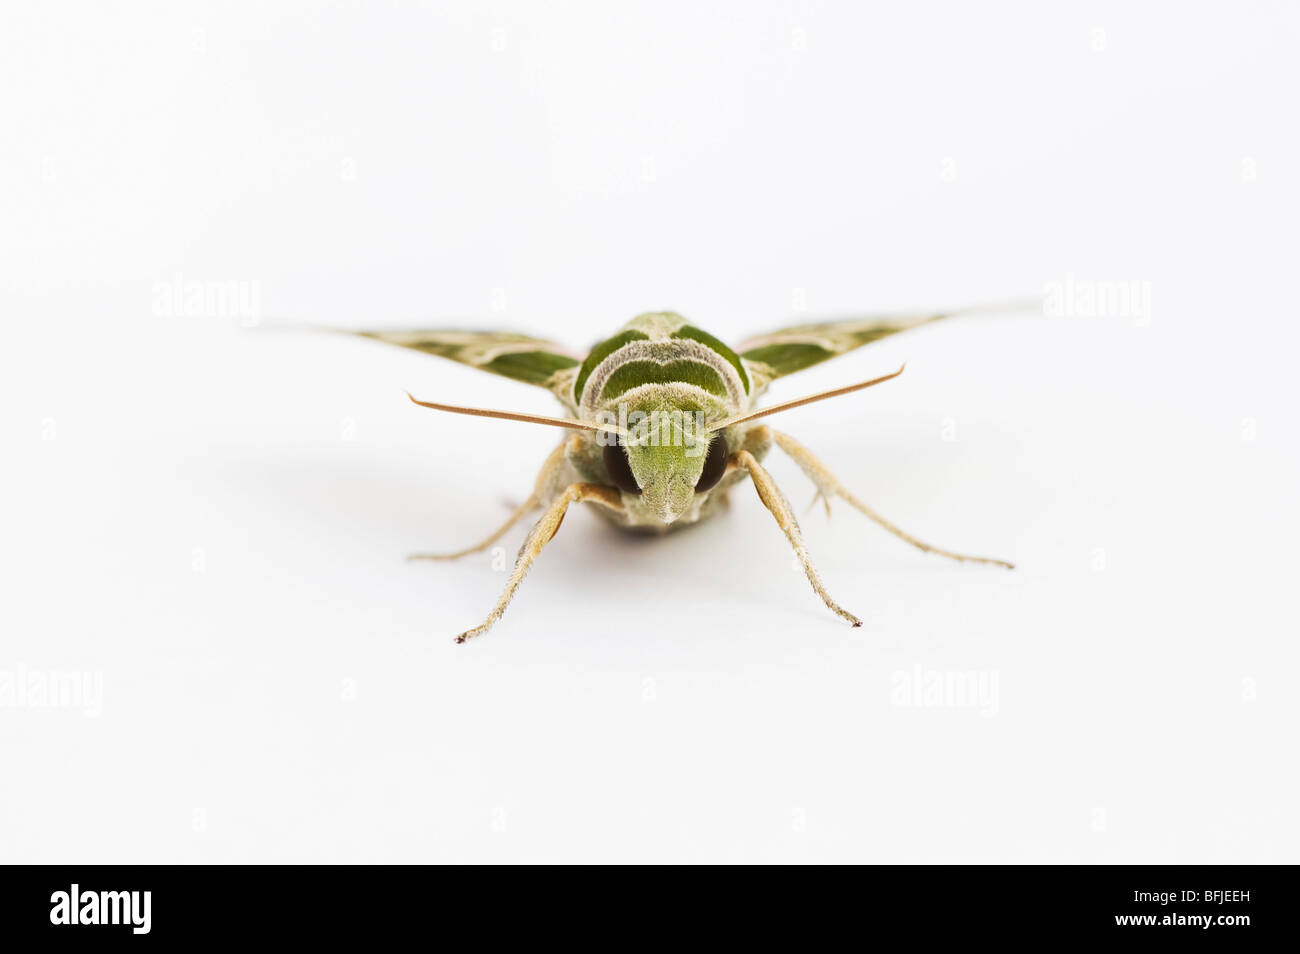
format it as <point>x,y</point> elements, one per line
<point>783,352</point>
<point>521,357</point>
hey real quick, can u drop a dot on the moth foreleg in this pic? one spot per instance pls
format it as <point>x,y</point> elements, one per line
<point>552,464</point>
<point>775,501</point>
<point>828,486</point>
<point>538,537</point>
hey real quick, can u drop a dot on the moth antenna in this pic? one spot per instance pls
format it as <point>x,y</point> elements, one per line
<point>778,408</point>
<point>526,418</point>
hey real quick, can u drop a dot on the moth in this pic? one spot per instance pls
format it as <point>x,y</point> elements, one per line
<point>664,422</point>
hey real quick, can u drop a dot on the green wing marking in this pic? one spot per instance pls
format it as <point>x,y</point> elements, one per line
<point>633,374</point>
<point>599,353</point>
<point>521,357</point>
<point>703,337</point>
<point>792,349</point>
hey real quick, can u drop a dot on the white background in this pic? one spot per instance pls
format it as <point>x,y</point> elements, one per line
<point>210,520</point>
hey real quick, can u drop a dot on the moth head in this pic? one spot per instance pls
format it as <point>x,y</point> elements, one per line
<point>666,462</point>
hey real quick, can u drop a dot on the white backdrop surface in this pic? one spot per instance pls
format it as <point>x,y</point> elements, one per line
<point>205,515</point>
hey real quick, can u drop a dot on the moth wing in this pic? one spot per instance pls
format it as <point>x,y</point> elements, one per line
<point>521,357</point>
<point>778,353</point>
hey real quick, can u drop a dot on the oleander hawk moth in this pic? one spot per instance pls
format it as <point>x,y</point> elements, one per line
<point>663,420</point>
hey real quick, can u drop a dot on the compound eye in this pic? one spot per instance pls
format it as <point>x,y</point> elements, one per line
<point>715,465</point>
<point>619,470</point>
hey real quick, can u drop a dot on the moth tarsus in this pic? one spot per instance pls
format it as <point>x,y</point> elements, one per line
<point>663,422</point>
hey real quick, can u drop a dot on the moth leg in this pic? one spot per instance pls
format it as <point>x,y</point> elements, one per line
<point>553,463</point>
<point>819,497</point>
<point>527,506</point>
<point>775,501</point>
<point>828,486</point>
<point>538,537</point>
